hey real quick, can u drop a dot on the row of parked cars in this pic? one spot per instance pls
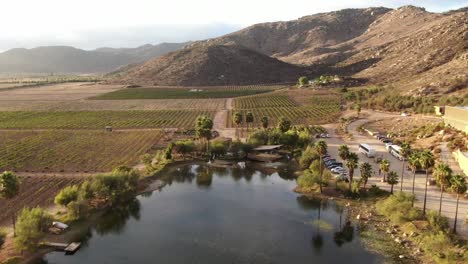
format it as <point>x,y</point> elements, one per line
<point>335,167</point>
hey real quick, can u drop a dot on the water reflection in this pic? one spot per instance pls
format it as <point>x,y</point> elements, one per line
<point>115,220</point>
<point>241,216</point>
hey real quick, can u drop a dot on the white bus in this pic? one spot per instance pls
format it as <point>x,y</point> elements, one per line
<point>396,152</point>
<point>367,150</point>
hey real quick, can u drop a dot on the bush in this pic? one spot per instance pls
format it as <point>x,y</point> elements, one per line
<point>116,186</point>
<point>77,210</point>
<point>437,222</point>
<point>30,227</point>
<point>85,192</point>
<point>440,246</point>
<point>308,179</point>
<point>398,208</point>
<point>310,154</point>
<point>67,195</point>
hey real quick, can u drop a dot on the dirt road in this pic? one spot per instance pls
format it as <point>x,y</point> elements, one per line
<point>448,201</point>
<point>220,121</point>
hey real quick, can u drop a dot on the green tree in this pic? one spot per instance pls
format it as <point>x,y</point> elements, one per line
<point>31,225</point>
<point>352,163</point>
<point>265,122</point>
<point>458,185</point>
<point>168,151</point>
<point>67,195</point>
<point>322,149</point>
<point>405,151</point>
<point>249,119</point>
<point>218,149</point>
<point>284,124</point>
<point>385,167</point>
<point>392,179</point>
<point>366,172</point>
<point>442,174</point>
<point>9,188</point>
<point>303,80</point>
<point>203,127</point>
<point>238,119</point>
<point>343,152</point>
<point>426,160</point>
<point>413,161</point>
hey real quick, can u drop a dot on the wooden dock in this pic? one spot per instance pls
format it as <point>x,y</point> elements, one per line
<point>68,248</point>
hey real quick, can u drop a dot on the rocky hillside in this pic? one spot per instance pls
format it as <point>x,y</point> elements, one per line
<point>210,65</point>
<point>63,59</point>
<point>416,51</point>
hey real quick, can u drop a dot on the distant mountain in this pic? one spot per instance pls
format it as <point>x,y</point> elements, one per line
<point>414,50</point>
<point>210,65</point>
<point>63,59</point>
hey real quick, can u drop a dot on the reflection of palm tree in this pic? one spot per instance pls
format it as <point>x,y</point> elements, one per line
<point>204,176</point>
<point>344,235</point>
<point>317,238</point>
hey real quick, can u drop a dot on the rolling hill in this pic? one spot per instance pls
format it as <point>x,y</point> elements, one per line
<point>63,59</point>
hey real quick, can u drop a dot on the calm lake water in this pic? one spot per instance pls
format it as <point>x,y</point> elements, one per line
<point>216,215</point>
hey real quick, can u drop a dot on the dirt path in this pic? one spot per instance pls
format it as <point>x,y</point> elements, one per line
<point>220,121</point>
<point>448,201</point>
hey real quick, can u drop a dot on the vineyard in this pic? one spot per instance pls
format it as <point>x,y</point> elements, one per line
<point>100,119</point>
<point>35,191</point>
<point>73,151</point>
<point>186,92</point>
<point>318,108</point>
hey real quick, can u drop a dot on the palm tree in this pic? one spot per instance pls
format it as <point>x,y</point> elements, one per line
<point>385,167</point>
<point>237,118</point>
<point>458,185</point>
<point>442,173</point>
<point>352,163</point>
<point>366,172</point>
<point>265,122</point>
<point>9,188</point>
<point>322,148</point>
<point>343,152</point>
<point>413,161</point>
<point>405,151</point>
<point>249,118</point>
<point>392,179</point>
<point>426,160</point>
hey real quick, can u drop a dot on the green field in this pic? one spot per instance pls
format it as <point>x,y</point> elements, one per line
<point>317,109</point>
<point>185,92</point>
<point>72,151</point>
<point>100,119</point>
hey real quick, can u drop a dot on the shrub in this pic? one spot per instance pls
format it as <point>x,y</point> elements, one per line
<point>310,154</point>
<point>85,192</point>
<point>398,208</point>
<point>437,222</point>
<point>77,210</point>
<point>67,195</point>
<point>30,227</point>
<point>308,179</point>
<point>116,186</point>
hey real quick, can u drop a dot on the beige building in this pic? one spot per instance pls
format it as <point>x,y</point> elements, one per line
<point>456,117</point>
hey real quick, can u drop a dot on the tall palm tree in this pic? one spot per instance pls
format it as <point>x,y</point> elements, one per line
<point>322,148</point>
<point>352,163</point>
<point>392,179</point>
<point>343,152</point>
<point>413,161</point>
<point>458,185</point>
<point>9,188</point>
<point>405,151</point>
<point>385,167</point>
<point>426,160</point>
<point>366,172</point>
<point>442,173</point>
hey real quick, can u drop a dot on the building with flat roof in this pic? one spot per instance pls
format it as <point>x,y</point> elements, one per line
<point>456,117</point>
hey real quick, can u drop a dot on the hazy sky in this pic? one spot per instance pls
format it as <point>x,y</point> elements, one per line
<point>127,23</point>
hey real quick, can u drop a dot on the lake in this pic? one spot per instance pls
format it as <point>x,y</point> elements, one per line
<point>219,215</point>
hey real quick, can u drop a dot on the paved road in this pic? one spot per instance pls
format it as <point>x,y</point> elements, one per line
<point>448,202</point>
